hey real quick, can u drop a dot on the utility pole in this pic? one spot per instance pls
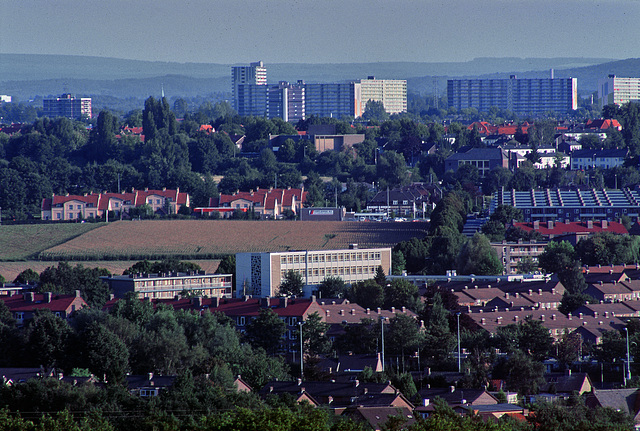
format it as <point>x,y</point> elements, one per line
<point>382,343</point>
<point>301,352</point>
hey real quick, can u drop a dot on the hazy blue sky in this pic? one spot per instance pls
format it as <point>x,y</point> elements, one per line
<point>314,31</point>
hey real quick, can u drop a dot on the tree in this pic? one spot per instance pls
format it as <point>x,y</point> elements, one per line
<point>374,111</point>
<point>401,293</point>
<point>332,287</point>
<point>48,337</point>
<point>292,284</point>
<point>367,294</point>
<point>478,257</point>
<point>524,374</point>
<point>67,279</point>
<point>314,336</point>
<point>106,354</point>
<point>266,331</point>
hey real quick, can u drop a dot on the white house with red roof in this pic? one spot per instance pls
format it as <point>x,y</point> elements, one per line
<point>96,205</point>
<point>268,203</point>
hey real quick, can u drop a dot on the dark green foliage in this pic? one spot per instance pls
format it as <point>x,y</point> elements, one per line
<point>28,276</point>
<point>367,294</point>
<point>607,249</point>
<point>528,336</point>
<point>478,257</point>
<point>292,284</point>
<point>66,279</point>
<point>163,266</point>
<point>266,331</point>
<point>332,287</point>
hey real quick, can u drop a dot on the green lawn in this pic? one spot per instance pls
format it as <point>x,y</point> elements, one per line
<point>22,242</point>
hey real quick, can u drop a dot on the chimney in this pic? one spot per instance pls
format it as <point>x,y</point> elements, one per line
<point>357,382</point>
<point>452,389</point>
<point>299,382</point>
<point>265,302</point>
<point>150,376</point>
<point>215,302</point>
<point>29,297</point>
<point>605,224</point>
<point>550,224</point>
<point>589,224</point>
<point>77,294</point>
<point>425,402</point>
<point>536,225</point>
<point>47,297</point>
<point>284,302</point>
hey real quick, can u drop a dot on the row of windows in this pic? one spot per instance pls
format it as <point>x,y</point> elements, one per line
<point>331,257</point>
<point>345,271</point>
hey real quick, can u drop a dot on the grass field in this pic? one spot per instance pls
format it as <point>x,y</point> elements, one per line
<point>133,239</point>
<point>21,242</point>
<point>10,270</point>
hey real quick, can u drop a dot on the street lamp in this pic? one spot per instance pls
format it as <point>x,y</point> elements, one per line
<point>459,360</point>
<point>628,374</point>
<point>301,351</point>
<point>382,332</point>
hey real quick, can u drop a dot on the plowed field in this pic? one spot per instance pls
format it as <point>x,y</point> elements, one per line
<point>124,239</point>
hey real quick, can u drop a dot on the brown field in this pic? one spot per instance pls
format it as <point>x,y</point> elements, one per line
<point>10,270</point>
<point>217,237</point>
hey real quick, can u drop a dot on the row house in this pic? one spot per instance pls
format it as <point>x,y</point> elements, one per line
<point>268,203</point>
<point>24,306</point>
<point>598,158</point>
<point>413,199</point>
<point>557,323</point>
<point>98,205</point>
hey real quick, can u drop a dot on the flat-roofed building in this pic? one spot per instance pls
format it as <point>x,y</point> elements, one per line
<point>521,96</point>
<point>169,285</point>
<point>260,274</point>
<point>618,90</point>
<point>549,205</point>
<point>391,92</point>
<point>67,106</point>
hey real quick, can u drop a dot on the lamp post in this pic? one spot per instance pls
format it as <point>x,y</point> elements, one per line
<point>627,376</point>
<point>459,359</point>
<point>382,332</point>
<point>301,351</point>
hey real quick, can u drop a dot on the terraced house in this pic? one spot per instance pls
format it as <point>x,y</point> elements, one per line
<point>96,205</point>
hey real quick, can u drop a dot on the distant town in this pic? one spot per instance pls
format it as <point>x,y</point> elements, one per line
<point>382,259</point>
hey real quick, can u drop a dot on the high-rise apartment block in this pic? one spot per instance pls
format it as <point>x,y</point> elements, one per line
<point>287,101</point>
<point>248,77</point>
<point>334,99</point>
<point>68,106</point>
<point>391,92</point>
<point>520,96</point>
<point>615,89</point>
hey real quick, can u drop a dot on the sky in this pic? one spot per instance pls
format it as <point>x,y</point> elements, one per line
<point>321,31</point>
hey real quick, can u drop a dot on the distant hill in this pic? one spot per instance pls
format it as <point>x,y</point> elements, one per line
<point>30,76</point>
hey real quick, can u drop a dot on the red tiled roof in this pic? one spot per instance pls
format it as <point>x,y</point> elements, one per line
<point>58,303</point>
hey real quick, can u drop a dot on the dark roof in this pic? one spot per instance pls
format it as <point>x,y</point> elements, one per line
<point>457,395</point>
<point>625,400</point>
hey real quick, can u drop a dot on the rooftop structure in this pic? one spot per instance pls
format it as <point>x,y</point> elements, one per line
<point>572,205</point>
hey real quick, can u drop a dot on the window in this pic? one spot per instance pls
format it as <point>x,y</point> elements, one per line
<point>19,315</point>
<point>58,216</point>
<point>241,321</point>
